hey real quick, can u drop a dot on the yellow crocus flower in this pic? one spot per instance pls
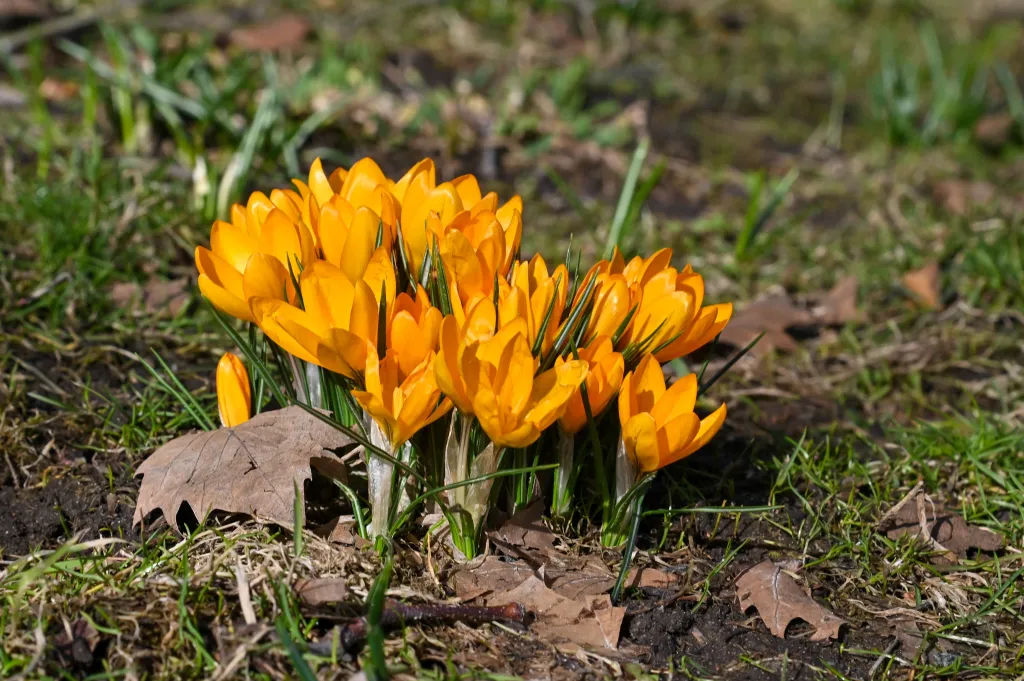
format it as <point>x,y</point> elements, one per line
<point>234,401</point>
<point>604,376</point>
<point>659,426</point>
<point>401,406</point>
<point>494,380</point>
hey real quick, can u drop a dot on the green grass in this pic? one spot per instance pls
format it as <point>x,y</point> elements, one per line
<point>872,104</point>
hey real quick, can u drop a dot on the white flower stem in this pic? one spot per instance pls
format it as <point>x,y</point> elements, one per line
<point>379,473</point>
<point>563,474</point>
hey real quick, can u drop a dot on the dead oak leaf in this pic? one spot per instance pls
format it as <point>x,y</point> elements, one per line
<point>253,468</point>
<point>285,32</point>
<point>924,284</point>
<point>590,621</point>
<point>949,534</point>
<point>320,590</point>
<point>524,535</point>
<point>157,295</point>
<point>961,196</point>
<point>489,574</point>
<point>773,316</point>
<point>780,600</point>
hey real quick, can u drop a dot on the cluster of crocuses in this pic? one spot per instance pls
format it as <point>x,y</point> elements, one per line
<point>402,310</point>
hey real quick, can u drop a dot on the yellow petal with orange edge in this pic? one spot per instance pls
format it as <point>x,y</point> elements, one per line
<point>648,384</point>
<point>359,246</point>
<point>674,436</point>
<point>265,277</point>
<point>337,179</point>
<point>333,228</point>
<point>343,352</point>
<point>661,320</point>
<point>447,372</point>
<point>709,427</point>
<point>360,182</point>
<point>611,306</point>
<point>508,209</point>
<point>640,436</point>
<point>287,326</point>
<point>221,284</point>
<point>365,314</point>
<point>258,206</point>
<point>424,170</point>
<point>379,275</point>
<point>709,323</point>
<point>408,341</point>
<point>234,401</point>
<point>319,185</point>
<point>469,190</point>
<point>287,240</point>
<point>487,203</point>
<point>679,399</point>
<point>443,201</point>
<point>327,295</point>
<point>232,244</point>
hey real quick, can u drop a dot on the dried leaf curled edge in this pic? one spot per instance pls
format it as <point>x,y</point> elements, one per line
<point>253,468</point>
<point>780,600</point>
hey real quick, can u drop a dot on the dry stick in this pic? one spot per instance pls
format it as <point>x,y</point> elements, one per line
<point>395,615</point>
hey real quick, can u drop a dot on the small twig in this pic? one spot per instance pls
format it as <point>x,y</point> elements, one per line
<point>244,595</point>
<point>882,658</point>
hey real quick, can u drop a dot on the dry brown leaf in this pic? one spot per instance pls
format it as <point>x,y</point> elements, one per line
<point>780,600</point>
<point>252,468</point>
<point>924,284</point>
<point>56,90</point>
<point>77,643</point>
<point>525,535</point>
<point>156,295</point>
<point>321,590</point>
<point>960,196</point>
<point>839,305</point>
<point>285,32</point>
<point>994,130</point>
<point>945,531</point>
<point>651,578</point>
<point>584,577</point>
<point>772,315</point>
<point>591,621</point>
<point>489,574</point>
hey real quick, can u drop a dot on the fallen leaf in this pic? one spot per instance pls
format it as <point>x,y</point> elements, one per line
<point>77,643</point>
<point>839,305</point>
<point>587,577</point>
<point>909,635</point>
<point>285,32</point>
<point>157,295</point>
<point>959,196</point>
<point>252,468</point>
<point>55,90</point>
<point>524,535</point>
<point>651,578</point>
<point>924,284</point>
<point>321,590</point>
<point>780,600</point>
<point>591,621</point>
<point>772,315</point>
<point>489,574</point>
<point>994,130</point>
<point>949,534</point>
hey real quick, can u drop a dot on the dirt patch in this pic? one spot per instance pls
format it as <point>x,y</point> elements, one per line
<point>41,517</point>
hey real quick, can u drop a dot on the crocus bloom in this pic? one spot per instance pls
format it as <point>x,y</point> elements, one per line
<point>337,322</point>
<point>401,407</point>
<point>542,293</point>
<point>659,426</point>
<point>262,228</point>
<point>234,401</point>
<point>604,376</point>
<point>496,378</point>
<point>669,316</point>
<point>412,333</point>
